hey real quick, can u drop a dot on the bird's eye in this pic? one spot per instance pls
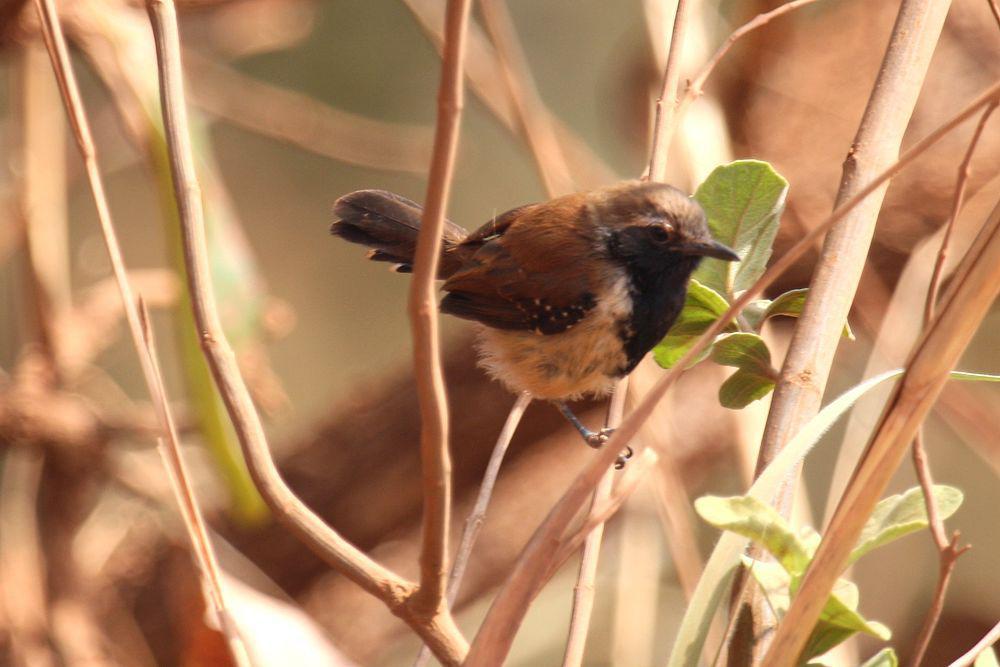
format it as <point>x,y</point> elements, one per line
<point>661,232</point>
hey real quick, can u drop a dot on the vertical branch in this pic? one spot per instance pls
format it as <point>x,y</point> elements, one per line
<point>436,628</point>
<point>948,549</point>
<point>666,105</point>
<point>583,591</point>
<point>817,332</point>
<point>966,303</point>
<point>436,461</point>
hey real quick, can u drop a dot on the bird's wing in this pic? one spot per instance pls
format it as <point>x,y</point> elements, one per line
<point>528,273</point>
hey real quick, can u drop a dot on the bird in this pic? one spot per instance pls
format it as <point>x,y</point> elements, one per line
<point>568,295</point>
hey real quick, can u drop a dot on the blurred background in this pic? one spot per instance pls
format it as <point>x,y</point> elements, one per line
<point>297,102</point>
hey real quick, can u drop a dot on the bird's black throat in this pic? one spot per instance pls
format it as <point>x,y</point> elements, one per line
<point>658,292</point>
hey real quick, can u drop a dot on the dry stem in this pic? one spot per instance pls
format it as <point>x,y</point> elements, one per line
<point>496,633</point>
<point>948,550</point>
<point>531,113</point>
<point>437,628</point>
<point>973,290</point>
<point>474,522</point>
<point>667,104</point>
<point>583,591</point>
<point>434,455</point>
<point>988,640</point>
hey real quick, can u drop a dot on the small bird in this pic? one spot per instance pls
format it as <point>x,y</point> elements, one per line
<point>569,294</point>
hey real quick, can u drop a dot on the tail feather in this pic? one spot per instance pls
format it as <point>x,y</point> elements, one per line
<point>389,224</point>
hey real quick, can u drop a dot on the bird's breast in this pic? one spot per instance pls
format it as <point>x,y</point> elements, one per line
<point>586,359</point>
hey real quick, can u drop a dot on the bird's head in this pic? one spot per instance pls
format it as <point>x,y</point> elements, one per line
<point>654,227</point>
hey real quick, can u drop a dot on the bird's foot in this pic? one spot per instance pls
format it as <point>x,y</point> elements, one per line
<point>598,439</point>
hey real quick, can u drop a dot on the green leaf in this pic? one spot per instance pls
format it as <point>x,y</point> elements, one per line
<point>987,658</point>
<point>702,307</point>
<point>743,388</point>
<point>713,585</point>
<point>743,201</point>
<point>790,304</point>
<point>903,514</point>
<point>756,377</point>
<point>758,521</point>
<point>839,618</point>
<point>884,658</point>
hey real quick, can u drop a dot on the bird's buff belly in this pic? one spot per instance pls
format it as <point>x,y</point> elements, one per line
<point>585,360</point>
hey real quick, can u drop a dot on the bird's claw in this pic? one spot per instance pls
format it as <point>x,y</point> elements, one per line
<point>597,440</point>
<point>623,458</point>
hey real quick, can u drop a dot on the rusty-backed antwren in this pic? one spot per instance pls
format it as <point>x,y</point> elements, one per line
<point>569,294</point>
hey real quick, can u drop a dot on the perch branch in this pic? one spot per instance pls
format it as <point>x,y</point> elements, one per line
<point>434,455</point>
<point>437,630</point>
<point>497,631</point>
<point>583,591</point>
<point>474,522</point>
<point>666,105</point>
<point>948,549</point>
<point>975,286</point>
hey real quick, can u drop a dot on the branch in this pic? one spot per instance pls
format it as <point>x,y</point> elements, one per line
<point>667,104</point>
<point>817,333</point>
<point>948,550</point>
<point>583,591</point>
<point>506,613</point>
<point>434,455</point>
<point>474,523</point>
<point>437,630</point>
<point>973,290</point>
<point>534,119</point>
<point>988,640</point>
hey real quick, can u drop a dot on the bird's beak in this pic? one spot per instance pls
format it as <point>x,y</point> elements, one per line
<point>710,249</point>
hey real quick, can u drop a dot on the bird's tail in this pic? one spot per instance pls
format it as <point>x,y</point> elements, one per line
<point>388,224</point>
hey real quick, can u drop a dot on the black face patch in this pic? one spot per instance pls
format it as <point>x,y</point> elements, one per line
<point>545,317</point>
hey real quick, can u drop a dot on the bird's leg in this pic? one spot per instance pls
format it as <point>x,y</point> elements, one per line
<point>592,438</point>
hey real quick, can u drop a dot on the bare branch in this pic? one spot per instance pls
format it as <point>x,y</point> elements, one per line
<point>583,591</point>
<point>972,292</point>
<point>474,522</point>
<point>667,104</point>
<point>532,115</point>
<point>988,640</point>
<point>948,550</point>
<point>434,455</point>
<point>496,632</point>
<point>438,630</point>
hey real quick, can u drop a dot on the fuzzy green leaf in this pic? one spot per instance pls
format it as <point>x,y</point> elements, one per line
<point>758,521</point>
<point>903,514</point>
<point>743,388</point>
<point>743,201</point>
<point>790,304</point>
<point>702,307</point>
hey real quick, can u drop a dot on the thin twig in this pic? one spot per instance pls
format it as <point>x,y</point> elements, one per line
<point>497,631</point>
<point>436,629</point>
<point>975,286</point>
<point>948,550</point>
<point>995,8</point>
<point>474,522</point>
<point>170,450</point>
<point>695,88</point>
<point>434,455</point>
<point>534,118</point>
<point>666,105</point>
<point>988,640</point>
<point>583,591</point>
